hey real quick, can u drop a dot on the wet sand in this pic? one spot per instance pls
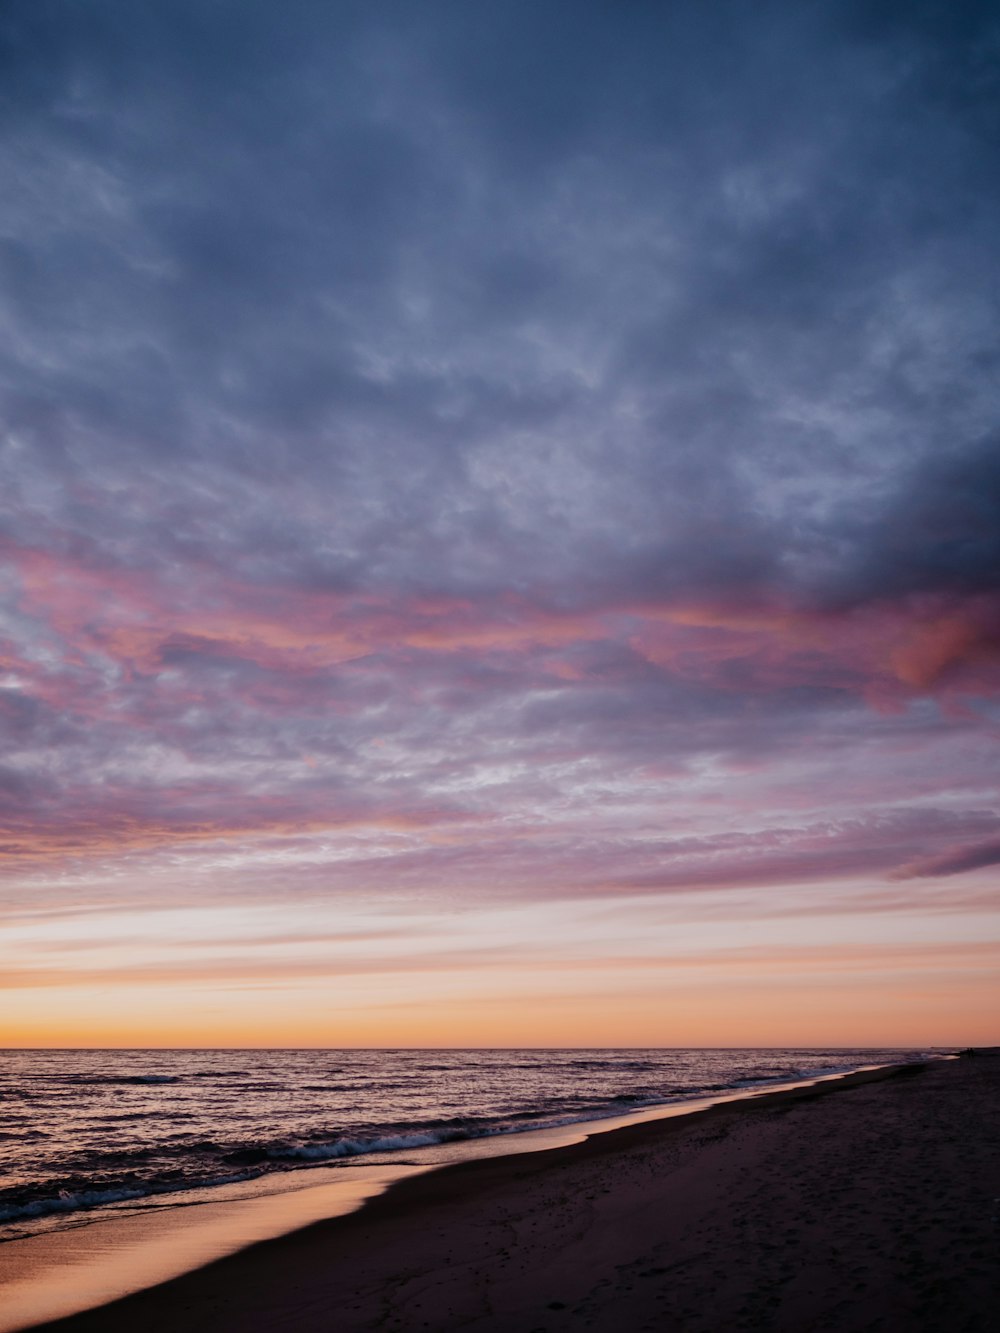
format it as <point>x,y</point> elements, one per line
<point>866,1204</point>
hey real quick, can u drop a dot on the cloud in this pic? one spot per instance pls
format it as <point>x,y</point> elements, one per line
<point>556,444</point>
<point>954,861</point>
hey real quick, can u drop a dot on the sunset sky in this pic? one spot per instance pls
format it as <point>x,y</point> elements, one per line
<point>500,522</point>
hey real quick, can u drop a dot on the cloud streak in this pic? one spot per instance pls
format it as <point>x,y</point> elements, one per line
<point>954,861</point>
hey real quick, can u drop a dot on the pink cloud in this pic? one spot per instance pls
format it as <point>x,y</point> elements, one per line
<point>953,861</point>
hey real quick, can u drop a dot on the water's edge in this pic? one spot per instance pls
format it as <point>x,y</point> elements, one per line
<point>83,1135</point>
<point>106,1257</point>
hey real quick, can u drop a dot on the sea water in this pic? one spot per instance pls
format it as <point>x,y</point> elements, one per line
<point>81,1131</point>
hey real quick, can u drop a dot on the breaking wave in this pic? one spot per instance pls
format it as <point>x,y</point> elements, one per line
<point>197,1119</point>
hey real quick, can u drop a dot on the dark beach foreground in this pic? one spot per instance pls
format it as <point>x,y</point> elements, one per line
<point>867,1203</point>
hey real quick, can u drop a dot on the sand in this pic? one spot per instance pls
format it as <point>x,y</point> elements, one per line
<point>871,1203</point>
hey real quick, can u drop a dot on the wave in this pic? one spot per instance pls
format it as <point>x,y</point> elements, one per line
<point>124,1117</point>
<point>116,1080</point>
<point>256,1159</point>
<point>66,1201</point>
<point>611,1064</point>
<point>80,1200</point>
<point>223,1150</point>
<point>333,1086</point>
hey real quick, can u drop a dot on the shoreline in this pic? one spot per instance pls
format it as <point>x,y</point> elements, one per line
<point>103,1256</point>
<point>424,1146</point>
<point>32,1214</point>
<point>406,1203</point>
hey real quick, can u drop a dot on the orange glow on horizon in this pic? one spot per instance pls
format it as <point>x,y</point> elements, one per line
<point>913,1000</point>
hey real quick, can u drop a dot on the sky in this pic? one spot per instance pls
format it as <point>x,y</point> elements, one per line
<point>499,522</point>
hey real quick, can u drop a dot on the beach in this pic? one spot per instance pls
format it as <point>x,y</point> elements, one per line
<point>866,1203</point>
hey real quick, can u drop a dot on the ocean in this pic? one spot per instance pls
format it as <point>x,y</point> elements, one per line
<point>84,1130</point>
